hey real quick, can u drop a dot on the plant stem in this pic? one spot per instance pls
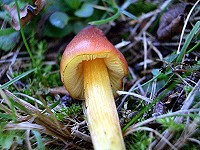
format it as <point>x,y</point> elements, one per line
<point>23,36</point>
<point>102,116</point>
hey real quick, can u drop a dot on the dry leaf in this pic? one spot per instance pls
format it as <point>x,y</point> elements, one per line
<point>39,4</point>
<point>25,14</point>
<point>14,16</point>
<point>171,22</point>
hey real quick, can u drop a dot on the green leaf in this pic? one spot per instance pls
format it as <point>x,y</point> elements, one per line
<point>155,72</point>
<point>140,6</point>
<point>8,42</point>
<point>6,140</point>
<point>5,16</point>
<point>85,11</point>
<point>39,140</point>
<point>56,5</point>
<point>77,26</point>
<point>52,31</point>
<point>73,3</point>
<point>6,31</point>
<point>16,79</point>
<point>59,19</point>
<point>171,58</point>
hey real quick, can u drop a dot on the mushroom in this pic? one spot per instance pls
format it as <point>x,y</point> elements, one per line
<point>92,68</point>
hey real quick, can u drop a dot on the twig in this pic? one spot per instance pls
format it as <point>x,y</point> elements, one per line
<point>153,89</point>
<point>132,73</point>
<point>81,135</point>
<point>127,3</point>
<point>137,125</point>
<point>122,44</point>
<point>187,103</point>
<point>155,50</point>
<point>23,126</point>
<point>194,140</point>
<point>27,139</point>
<point>189,130</point>
<point>145,51</point>
<point>157,133</point>
<point>124,98</point>
<point>135,95</point>
<point>15,57</point>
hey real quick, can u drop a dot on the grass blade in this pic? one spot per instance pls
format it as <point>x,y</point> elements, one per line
<point>39,140</point>
<point>16,79</point>
<point>145,109</point>
<point>193,48</point>
<point>187,42</point>
<point>6,116</point>
<point>104,21</point>
<point>23,36</point>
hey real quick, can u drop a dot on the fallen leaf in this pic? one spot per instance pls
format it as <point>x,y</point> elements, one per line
<point>171,22</point>
<point>39,4</point>
<point>9,41</point>
<point>25,14</point>
<point>14,16</point>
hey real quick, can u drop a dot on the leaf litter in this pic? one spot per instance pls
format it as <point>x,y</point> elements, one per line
<point>25,14</point>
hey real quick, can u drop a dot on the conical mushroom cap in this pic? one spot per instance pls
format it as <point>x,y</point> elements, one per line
<point>90,43</point>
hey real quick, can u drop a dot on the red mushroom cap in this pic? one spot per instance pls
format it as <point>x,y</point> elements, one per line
<point>90,43</point>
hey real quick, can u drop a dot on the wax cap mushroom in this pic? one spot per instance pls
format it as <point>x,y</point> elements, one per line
<point>89,44</point>
<point>92,69</point>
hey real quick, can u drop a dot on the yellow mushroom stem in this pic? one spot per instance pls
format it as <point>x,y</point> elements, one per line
<point>102,116</point>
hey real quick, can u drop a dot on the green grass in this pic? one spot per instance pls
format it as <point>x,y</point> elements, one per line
<point>23,36</point>
<point>187,42</point>
<point>17,78</point>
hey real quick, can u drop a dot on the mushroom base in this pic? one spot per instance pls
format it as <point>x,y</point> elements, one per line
<point>102,116</point>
